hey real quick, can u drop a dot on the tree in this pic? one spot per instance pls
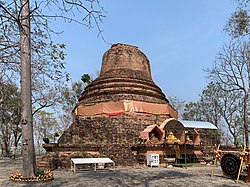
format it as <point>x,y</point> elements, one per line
<point>47,58</point>
<point>45,126</point>
<point>238,25</point>
<point>70,96</point>
<point>210,103</point>
<point>20,13</point>
<point>223,106</point>
<point>219,106</point>
<point>191,112</point>
<point>206,109</point>
<point>45,62</point>
<point>232,112</point>
<point>85,78</point>
<point>177,104</point>
<point>232,71</point>
<point>28,150</point>
<point>9,117</point>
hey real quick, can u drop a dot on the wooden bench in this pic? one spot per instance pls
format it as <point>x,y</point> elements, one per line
<point>75,162</point>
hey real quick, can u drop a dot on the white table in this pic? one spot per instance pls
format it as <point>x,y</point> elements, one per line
<point>95,161</point>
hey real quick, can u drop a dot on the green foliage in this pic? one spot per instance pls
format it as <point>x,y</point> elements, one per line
<point>222,108</point>
<point>10,102</point>
<point>45,126</point>
<point>47,57</point>
<point>206,109</point>
<point>10,115</point>
<point>183,165</point>
<point>22,19</point>
<point>191,111</point>
<point>86,78</point>
<point>177,104</point>
<point>238,24</point>
<point>231,70</point>
<point>39,172</point>
<point>69,97</point>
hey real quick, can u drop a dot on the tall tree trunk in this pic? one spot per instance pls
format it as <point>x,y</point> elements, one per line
<point>5,150</point>
<point>247,93</point>
<point>16,140</point>
<point>5,140</point>
<point>28,151</point>
<point>245,118</point>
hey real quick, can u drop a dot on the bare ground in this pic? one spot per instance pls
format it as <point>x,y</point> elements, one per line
<point>123,177</point>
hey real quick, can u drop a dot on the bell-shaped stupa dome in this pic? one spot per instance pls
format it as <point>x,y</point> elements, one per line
<point>125,75</point>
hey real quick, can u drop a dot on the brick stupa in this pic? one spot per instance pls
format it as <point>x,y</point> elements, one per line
<point>116,107</point>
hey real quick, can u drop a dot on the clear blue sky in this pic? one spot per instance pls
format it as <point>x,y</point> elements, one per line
<point>179,37</point>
